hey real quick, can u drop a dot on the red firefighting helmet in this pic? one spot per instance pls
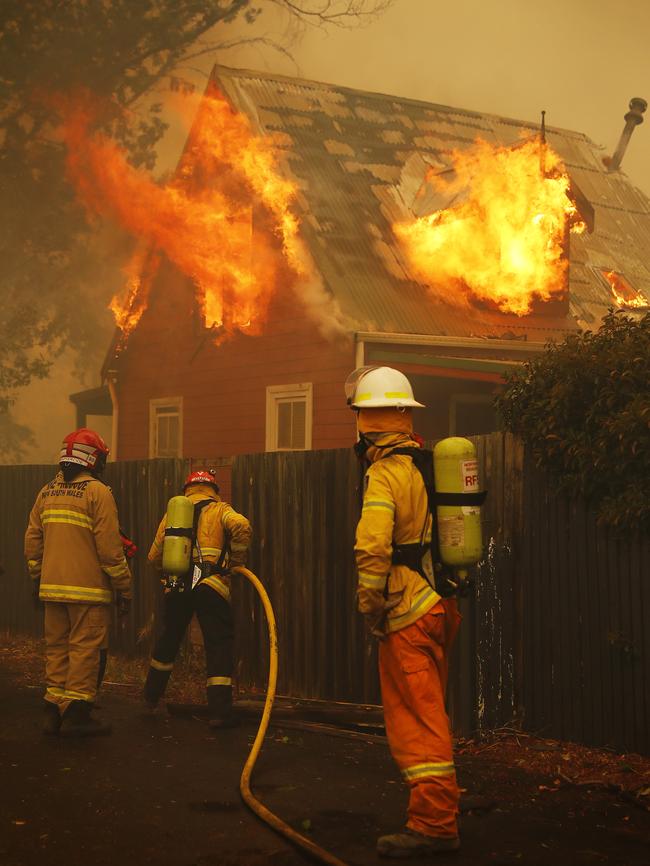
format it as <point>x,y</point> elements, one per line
<point>202,476</point>
<point>84,447</point>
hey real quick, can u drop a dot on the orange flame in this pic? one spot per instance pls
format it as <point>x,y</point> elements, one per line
<point>504,242</point>
<point>624,294</point>
<point>201,220</point>
<point>130,304</point>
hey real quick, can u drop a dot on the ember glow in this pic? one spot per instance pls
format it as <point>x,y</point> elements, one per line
<point>202,220</point>
<point>624,294</point>
<point>503,243</point>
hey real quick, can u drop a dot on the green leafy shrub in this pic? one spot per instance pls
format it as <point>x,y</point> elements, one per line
<point>583,408</point>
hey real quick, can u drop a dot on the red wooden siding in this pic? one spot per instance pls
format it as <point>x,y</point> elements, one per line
<point>170,354</point>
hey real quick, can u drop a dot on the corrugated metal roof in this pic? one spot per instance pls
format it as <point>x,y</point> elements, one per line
<point>351,152</point>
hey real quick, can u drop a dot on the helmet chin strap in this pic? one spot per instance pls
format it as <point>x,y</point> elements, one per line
<point>98,469</point>
<point>362,445</point>
<point>364,442</point>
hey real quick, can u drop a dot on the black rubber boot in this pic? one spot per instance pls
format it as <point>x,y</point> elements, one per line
<point>77,722</point>
<point>219,722</point>
<point>150,707</point>
<point>51,719</point>
<point>155,686</point>
<point>220,708</point>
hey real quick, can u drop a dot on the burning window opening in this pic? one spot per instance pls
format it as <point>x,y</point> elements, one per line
<point>501,237</point>
<point>201,220</point>
<point>129,305</point>
<point>625,295</point>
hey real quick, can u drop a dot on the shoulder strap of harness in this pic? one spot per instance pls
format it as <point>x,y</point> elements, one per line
<point>217,568</point>
<point>411,555</point>
<point>198,508</point>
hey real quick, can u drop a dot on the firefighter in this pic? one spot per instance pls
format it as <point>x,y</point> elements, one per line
<point>76,561</point>
<point>221,542</point>
<point>414,625</point>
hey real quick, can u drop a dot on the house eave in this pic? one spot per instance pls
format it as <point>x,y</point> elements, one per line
<point>532,347</point>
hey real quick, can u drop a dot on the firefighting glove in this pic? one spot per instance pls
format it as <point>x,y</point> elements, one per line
<point>36,588</point>
<point>376,621</point>
<point>123,604</point>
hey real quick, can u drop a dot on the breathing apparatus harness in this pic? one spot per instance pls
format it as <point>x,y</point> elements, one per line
<point>197,572</point>
<point>424,557</point>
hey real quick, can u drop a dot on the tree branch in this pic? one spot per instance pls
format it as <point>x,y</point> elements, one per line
<point>339,13</point>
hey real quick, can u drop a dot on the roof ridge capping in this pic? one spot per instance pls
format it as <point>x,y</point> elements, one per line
<point>231,72</point>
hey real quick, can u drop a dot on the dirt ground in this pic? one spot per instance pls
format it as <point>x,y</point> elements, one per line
<point>164,790</point>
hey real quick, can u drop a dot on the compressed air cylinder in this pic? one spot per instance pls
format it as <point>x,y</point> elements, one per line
<point>455,470</point>
<point>177,543</point>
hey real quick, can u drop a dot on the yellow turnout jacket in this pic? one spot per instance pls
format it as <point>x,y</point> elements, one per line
<point>219,525</point>
<point>73,544</point>
<point>395,509</point>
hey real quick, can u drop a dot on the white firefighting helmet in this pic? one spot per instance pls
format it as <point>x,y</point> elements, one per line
<point>379,387</point>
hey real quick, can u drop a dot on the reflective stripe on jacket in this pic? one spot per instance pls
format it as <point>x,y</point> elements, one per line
<point>219,525</point>
<point>73,543</point>
<point>395,509</point>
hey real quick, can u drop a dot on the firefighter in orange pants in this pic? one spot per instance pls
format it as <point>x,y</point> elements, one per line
<point>415,626</point>
<point>75,557</point>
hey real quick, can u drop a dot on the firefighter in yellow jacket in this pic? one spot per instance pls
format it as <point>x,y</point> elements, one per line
<point>416,627</point>
<point>75,557</point>
<point>221,542</point>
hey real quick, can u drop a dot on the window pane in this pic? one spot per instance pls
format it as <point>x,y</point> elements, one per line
<point>173,445</point>
<point>284,425</point>
<point>291,424</point>
<point>168,435</point>
<point>298,419</point>
<point>163,435</point>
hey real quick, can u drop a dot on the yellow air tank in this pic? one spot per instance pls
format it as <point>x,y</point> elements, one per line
<point>455,469</point>
<point>177,543</point>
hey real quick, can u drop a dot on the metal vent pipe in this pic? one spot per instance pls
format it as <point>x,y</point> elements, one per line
<point>633,118</point>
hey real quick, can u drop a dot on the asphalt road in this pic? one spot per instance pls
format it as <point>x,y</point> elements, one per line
<point>164,790</point>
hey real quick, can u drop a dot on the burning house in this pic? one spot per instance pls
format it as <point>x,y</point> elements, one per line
<point>310,229</point>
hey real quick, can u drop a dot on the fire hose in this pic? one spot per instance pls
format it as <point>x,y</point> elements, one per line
<point>249,799</point>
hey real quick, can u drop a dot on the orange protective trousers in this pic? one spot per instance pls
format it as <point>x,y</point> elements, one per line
<point>413,665</point>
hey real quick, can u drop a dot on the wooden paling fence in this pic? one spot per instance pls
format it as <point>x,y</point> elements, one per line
<point>141,489</point>
<point>556,633</point>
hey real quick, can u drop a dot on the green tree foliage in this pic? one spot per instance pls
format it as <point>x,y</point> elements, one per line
<point>583,407</point>
<point>121,51</point>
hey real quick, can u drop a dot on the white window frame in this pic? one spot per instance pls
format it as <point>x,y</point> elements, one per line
<point>153,428</point>
<point>274,395</point>
<point>455,399</point>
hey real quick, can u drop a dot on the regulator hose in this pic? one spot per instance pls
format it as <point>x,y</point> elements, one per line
<point>254,804</point>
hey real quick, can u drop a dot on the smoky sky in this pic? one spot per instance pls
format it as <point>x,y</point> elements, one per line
<point>580,60</point>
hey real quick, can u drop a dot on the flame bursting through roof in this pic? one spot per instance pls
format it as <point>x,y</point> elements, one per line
<point>624,295</point>
<point>201,220</point>
<point>503,243</point>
